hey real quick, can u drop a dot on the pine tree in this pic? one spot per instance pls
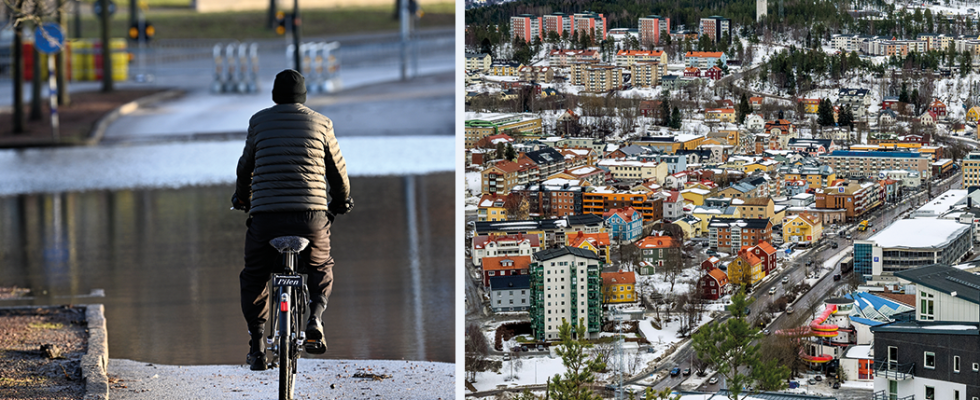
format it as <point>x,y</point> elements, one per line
<point>510,153</point>
<point>903,96</point>
<point>580,370</point>
<point>664,109</point>
<point>675,118</point>
<point>845,117</point>
<point>743,108</point>
<point>825,113</point>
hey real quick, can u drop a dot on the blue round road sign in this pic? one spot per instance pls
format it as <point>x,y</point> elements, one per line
<point>48,38</point>
<point>97,8</point>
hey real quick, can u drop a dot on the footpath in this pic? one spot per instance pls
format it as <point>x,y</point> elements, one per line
<point>374,103</point>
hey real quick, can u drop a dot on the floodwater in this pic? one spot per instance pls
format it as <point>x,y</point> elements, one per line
<point>167,261</point>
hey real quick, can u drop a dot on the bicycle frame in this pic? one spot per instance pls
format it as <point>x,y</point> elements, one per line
<point>287,306</point>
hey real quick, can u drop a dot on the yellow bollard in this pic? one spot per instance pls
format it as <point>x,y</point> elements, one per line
<point>120,59</point>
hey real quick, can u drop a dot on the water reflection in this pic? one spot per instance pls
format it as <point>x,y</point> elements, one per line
<point>169,260</point>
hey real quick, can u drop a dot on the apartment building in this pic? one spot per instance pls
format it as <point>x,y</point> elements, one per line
<point>599,200</point>
<point>626,58</point>
<point>646,74</point>
<point>597,78</point>
<point>503,246</point>
<point>540,74</point>
<point>566,286</point>
<point>652,28</point>
<point>482,125</point>
<point>971,169</point>
<point>553,198</point>
<point>590,23</point>
<point>634,169</point>
<point>565,58</point>
<point>857,99</point>
<point>704,59</point>
<point>868,164</point>
<point>927,360</point>
<point>556,22</point>
<point>715,27</point>
<point>856,199</point>
<point>731,234</point>
<point>478,62</point>
<point>525,26</point>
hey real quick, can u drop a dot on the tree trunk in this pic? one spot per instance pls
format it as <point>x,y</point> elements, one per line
<point>106,48</point>
<point>18,78</point>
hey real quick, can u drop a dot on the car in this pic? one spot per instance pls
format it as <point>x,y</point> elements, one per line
<point>713,380</point>
<point>836,277</point>
<point>834,245</point>
<point>676,371</point>
<point>711,252</point>
<point>506,357</point>
<point>687,372</point>
<point>811,381</point>
<point>789,310</point>
<point>785,280</point>
<point>766,332</point>
<point>848,237</point>
<point>772,291</point>
<point>836,385</point>
<point>523,348</point>
<point>818,378</point>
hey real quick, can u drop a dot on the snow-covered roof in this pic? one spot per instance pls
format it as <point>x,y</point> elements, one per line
<point>918,233</point>
<point>941,204</point>
<point>861,351</point>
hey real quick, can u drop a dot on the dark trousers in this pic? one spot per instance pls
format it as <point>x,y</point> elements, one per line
<point>261,259</point>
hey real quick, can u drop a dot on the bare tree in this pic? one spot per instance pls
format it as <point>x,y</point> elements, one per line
<point>477,349</point>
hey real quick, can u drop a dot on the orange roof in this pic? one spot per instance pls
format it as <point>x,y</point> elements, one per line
<point>618,278</point>
<point>809,219</point>
<point>625,213</point>
<point>750,258</point>
<point>712,54</point>
<point>507,166</point>
<point>714,68</point>
<point>654,53</point>
<point>755,99</point>
<point>721,110</point>
<point>595,239</point>
<point>506,262</point>
<point>656,242</point>
<point>489,199</point>
<point>691,69</point>
<point>766,247</point>
<point>719,276</point>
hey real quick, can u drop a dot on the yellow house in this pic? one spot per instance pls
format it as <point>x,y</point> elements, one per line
<point>491,208</point>
<point>765,165</point>
<point>691,226</point>
<point>619,287</point>
<point>756,207</point>
<point>973,114</point>
<point>695,196</point>
<point>705,214</point>
<point>802,228</point>
<point>597,243</point>
<point>720,115</point>
<point>746,269</point>
<point>504,68</point>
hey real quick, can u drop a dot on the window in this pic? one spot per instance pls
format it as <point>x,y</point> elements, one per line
<point>929,360</point>
<point>930,393</point>
<point>976,367</point>
<point>956,364</point>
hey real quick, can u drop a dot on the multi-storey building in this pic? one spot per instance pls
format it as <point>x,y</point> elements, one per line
<point>713,285</point>
<point>816,176</point>
<point>652,28</point>
<point>716,28</point>
<point>491,208</point>
<point>504,68</point>
<point>626,58</point>
<point>478,62</point>
<point>803,228</point>
<point>525,26</point>
<point>657,251</point>
<point>971,169</point>
<point>634,169</point>
<point>556,22</point>
<point>550,232</point>
<point>482,125</point>
<point>536,74</point>
<point>944,293</point>
<point>500,177</point>
<point>646,74</point>
<point>597,78</point>
<point>927,360</point>
<point>566,286</point>
<point>564,58</point>
<point>868,164</point>
<point>728,234</point>
<point>503,246</point>
<point>704,59</point>
<point>510,293</point>
<point>599,200</point>
<point>624,225</point>
<point>504,266</point>
<point>590,23</point>
<point>911,243</point>
<point>553,198</point>
<point>857,99</point>
<point>856,199</point>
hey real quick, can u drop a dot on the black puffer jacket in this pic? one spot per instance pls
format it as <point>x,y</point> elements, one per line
<point>290,156</point>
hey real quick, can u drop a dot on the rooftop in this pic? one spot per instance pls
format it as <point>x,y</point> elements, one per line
<point>919,233</point>
<point>945,279</point>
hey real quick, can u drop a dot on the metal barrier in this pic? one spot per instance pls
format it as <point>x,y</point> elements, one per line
<point>235,68</point>
<point>322,67</point>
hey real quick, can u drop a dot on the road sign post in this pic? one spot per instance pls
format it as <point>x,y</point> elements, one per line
<point>49,39</point>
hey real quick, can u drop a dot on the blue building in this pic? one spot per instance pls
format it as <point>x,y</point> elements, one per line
<point>625,225</point>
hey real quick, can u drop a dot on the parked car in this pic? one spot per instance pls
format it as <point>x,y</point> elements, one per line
<point>711,252</point>
<point>818,378</point>
<point>766,332</point>
<point>687,372</point>
<point>836,385</point>
<point>789,310</point>
<point>713,380</point>
<point>676,371</point>
<point>834,245</point>
<point>785,280</point>
<point>848,237</point>
<point>772,291</point>
<point>811,381</point>
<point>836,277</point>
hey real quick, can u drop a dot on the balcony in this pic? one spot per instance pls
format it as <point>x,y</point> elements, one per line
<point>882,395</point>
<point>894,371</point>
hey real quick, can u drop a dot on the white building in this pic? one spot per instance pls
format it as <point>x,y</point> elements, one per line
<point>566,286</point>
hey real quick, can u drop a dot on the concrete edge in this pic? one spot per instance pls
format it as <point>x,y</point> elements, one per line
<point>98,132</point>
<point>95,362</point>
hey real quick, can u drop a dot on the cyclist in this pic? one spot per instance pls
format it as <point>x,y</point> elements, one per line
<point>290,160</point>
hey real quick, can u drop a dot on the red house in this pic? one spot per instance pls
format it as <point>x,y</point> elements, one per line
<point>709,264</point>
<point>938,107</point>
<point>767,254</point>
<point>504,266</point>
<point>714,73</point>
<point>713,285</point>
<point>692,72</point>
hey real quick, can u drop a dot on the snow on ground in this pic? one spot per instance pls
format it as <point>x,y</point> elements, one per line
<point>473,182</point>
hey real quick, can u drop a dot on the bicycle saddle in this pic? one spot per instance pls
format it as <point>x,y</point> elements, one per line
<point>289,243</point>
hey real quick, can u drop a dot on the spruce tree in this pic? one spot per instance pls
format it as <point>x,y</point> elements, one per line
<point>743,108</point>
<point>675,118</point>
<point>825,113</point>
<point>580,370</point>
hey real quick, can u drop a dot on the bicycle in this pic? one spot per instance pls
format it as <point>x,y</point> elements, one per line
<point>285,338</point>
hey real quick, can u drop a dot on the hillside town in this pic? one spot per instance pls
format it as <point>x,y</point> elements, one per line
<point>647,184</point>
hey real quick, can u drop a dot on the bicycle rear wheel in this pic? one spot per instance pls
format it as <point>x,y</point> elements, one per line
<point>286,367</point>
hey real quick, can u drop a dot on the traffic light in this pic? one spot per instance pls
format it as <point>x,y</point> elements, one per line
<point>142,32</point>
<point>280,23</point>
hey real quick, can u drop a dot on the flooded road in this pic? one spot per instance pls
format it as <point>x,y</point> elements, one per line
<point>168,263</point>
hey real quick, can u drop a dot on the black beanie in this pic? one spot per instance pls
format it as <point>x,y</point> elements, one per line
<point>289,87</point>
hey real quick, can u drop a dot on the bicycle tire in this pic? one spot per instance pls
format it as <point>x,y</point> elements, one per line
<point>285,358</point>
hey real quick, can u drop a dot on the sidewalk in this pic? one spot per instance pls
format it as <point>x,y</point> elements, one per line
<point>315,379</point>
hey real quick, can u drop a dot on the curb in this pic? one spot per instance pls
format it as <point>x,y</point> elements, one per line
<point>98,132</point>
<point>96,359</point>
